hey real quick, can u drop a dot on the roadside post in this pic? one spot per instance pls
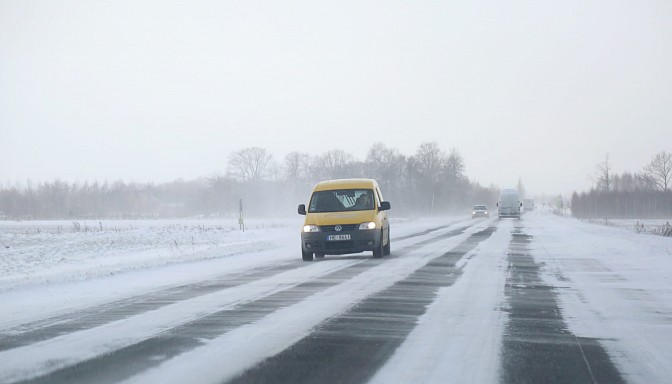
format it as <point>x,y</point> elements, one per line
<point>241,221</point>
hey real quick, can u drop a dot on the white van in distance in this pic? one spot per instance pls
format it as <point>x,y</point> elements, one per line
<point>509,204</point>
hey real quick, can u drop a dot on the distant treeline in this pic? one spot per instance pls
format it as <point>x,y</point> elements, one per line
<point>650,204</point>
<point>431,181</point>
<point>645,194</point>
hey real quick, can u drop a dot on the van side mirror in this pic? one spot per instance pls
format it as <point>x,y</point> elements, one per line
<point>497,204</point>
<point>521,205</point>
<point>302,209</point>
<point>384,206</point>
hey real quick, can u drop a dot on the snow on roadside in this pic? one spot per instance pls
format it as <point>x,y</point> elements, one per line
<point>45,263</point>
<point>660,227</point>
<point>614,281</point>
<point>51,252</point>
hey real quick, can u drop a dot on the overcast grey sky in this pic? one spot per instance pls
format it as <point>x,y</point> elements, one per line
<point>158,90</point>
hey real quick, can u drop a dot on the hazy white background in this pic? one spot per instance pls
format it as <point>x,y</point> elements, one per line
<point>157,90</point>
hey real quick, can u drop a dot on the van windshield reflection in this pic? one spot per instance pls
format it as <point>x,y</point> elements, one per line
<point>341,200</point>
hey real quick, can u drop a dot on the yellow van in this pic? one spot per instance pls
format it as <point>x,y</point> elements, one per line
<point>345,216</point>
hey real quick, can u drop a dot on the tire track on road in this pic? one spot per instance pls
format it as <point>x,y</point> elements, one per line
<point>351,347</point>
<point>37,331</point>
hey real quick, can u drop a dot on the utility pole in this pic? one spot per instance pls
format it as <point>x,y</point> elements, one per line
<point>241,222</point>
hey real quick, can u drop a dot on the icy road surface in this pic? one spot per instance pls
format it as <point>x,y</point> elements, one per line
<point>542,299</point>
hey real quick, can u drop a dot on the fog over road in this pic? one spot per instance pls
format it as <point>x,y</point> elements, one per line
<point>541,299</point>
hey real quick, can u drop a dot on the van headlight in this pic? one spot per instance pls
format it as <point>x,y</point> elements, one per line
<point>311,228</point>
<point>368,225</point>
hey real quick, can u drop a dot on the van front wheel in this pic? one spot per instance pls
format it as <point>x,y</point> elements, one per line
<point>307,256</point>
<point>379,251</point>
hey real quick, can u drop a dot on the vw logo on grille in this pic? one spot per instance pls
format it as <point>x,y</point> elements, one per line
<point>338,228</point>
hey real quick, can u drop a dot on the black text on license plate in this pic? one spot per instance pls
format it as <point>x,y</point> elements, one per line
<point>338,237</point>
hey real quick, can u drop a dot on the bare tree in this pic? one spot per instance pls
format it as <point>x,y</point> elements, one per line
<point>274,171</point>
<point>426,168</point>
<point>332,164</point>
<point>627,181</point>
<point>429,159</point>
<point>603,175</point>
<point>659,170</point>
<point>249,164</point>
<point>385,165</point>
<point>454,185</point>
<point>454,165</point>
<point>296,164</point>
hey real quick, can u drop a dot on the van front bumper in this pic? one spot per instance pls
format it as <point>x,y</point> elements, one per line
<point>509,214</point>
<point>360,241</point>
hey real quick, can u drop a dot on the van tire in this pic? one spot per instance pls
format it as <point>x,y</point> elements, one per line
<point>379,251</point>
<point>386,248</point>
<point>307,256</point>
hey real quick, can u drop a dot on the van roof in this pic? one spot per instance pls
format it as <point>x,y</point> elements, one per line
<point>345,184</point>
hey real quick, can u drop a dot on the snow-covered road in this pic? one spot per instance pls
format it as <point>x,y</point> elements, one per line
<point>543,299</point>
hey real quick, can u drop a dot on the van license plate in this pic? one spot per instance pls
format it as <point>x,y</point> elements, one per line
<point>338,237</point>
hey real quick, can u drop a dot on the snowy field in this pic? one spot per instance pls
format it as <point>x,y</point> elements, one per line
<point>613,285</point>
<point>47,252</point>
<point>39,252</point>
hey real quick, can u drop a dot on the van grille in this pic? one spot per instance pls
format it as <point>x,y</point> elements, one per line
<point>344,227</point>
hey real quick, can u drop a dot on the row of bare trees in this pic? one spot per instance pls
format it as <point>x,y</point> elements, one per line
<point>431,181</point>
<point>645,194</point>
<point>636,204</point>
<point>59,200</point>
<point>657,174</point>
<point>427,182</point>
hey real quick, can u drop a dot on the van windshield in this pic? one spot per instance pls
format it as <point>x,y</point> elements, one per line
<point>341,200</point>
